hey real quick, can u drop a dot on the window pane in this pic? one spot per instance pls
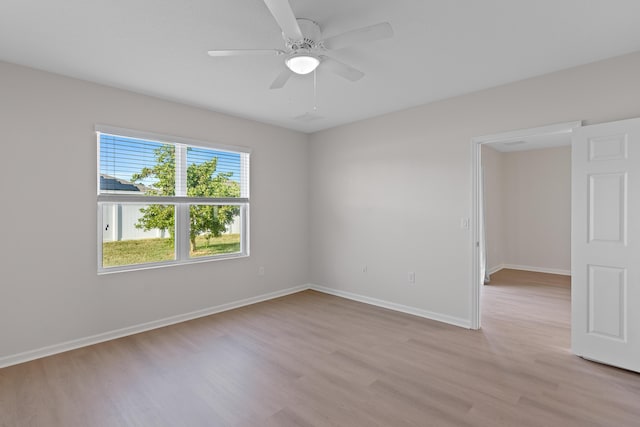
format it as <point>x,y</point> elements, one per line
<point>137,234</point>
<point>212,173</point>
<point>191,192</point>
<point>130,166</point>
<point>214,230</point>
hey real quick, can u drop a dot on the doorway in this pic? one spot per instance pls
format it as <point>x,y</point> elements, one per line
<point>533,139</point>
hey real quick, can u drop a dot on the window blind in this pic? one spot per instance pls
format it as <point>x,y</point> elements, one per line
<point>142,167</point>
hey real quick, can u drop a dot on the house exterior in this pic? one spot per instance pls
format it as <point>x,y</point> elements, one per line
<point>119,220</point>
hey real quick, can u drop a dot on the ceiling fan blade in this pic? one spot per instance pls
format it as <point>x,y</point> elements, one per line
<point>361,35</point>
<point>341,69</point>
<point>239,52</point>
<point>286,19</point>
<point>282,79</point>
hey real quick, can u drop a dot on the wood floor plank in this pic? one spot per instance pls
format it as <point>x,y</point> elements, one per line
<point>311,359</point>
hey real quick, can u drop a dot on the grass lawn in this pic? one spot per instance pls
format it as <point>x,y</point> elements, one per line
<point>141,251</point>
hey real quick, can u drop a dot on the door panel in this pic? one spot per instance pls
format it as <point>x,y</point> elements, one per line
<point>608,148</point>
<point>607,301</point>
<point>605,259</point>
<point>607,207</point>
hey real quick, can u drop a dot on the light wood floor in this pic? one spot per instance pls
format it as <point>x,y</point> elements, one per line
<point>311,359</point>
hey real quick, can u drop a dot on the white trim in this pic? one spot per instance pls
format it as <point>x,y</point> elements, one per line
<point>162,264</point>
<point>456,321</point>
<point>170,200</point>
<point>475,289</point>
<point>158,137</point>
<point>182,243</point>
<point>180,201</point>
<point>555,129</point>
<point>475,285</point>
<point>536,269</point>
<point>26,356</point>
<point>495,269</point>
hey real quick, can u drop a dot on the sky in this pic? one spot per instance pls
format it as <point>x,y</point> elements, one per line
<point>121,157</point>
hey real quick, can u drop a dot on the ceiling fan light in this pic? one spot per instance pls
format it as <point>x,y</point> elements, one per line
<point>302,63</point>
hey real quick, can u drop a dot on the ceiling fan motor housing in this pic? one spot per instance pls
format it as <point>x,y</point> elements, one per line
<point>311,36</point>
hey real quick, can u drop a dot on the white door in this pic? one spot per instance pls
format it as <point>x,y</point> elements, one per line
<point>605,243</point>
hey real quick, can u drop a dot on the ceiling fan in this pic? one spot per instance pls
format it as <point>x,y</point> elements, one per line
<point>305,49</point>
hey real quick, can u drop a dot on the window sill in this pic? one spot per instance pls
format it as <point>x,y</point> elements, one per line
<point>150,266</point>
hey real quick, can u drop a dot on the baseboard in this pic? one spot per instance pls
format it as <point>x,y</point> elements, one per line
<point>537,269</point>
<point>495,269</point>
<point>26,356</point>
<point>456,321</point>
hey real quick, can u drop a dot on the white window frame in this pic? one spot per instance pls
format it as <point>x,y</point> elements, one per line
<point>180,200</point>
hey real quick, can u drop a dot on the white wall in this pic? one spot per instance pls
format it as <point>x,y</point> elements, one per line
<point>537,209</point>
<point>494,179</point>
<point>49,290</point>
<point>413,168</point>
<point>528,208</point>
<point>387,192</point>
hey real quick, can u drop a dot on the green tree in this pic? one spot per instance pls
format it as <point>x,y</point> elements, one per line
<point>202,181</point>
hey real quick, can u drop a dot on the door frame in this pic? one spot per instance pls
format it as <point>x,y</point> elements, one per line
<point>476,191</point>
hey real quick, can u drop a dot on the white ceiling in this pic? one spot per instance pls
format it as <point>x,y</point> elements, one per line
<point>441,48</point>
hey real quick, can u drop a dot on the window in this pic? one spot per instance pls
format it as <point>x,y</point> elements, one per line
<point>166,200</point>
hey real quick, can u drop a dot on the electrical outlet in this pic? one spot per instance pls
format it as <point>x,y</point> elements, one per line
<point>261,271</point>
<point>411,277</point>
